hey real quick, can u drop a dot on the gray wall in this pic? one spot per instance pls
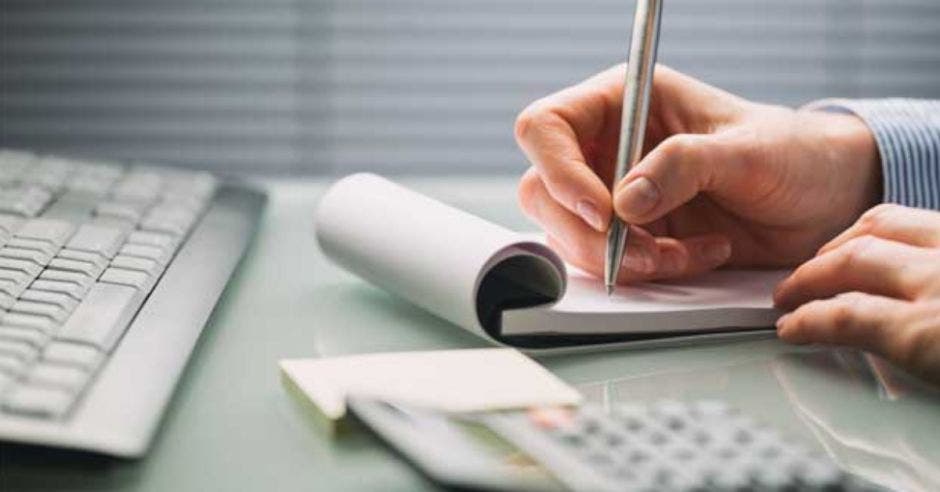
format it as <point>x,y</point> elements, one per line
<point>403,85</point>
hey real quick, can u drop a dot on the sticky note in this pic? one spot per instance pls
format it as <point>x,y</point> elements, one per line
<point>448,380</point>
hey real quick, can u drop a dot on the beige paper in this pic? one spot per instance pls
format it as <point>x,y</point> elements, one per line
<point>448,380</point>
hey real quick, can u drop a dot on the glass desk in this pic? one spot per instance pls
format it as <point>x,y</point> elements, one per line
<point>232,426</point>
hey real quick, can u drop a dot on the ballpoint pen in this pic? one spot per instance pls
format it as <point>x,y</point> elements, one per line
<point>637,86</point>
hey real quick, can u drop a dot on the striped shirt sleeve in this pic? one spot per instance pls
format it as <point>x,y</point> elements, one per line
<point>907,132</point>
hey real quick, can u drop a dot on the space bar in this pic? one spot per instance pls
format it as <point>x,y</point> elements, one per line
<point>103,315</point>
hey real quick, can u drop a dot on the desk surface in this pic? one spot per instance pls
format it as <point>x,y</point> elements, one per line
<point>232,426</point>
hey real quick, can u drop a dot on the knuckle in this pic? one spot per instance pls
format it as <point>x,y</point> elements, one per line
<point>915,344</point>
<point>854,250</point>
<point>876,216</point>
<point>842,317</point>
<point>679,147</point>
<point>535,116</point>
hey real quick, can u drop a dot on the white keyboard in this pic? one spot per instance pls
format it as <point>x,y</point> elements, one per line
<point>95,256</point>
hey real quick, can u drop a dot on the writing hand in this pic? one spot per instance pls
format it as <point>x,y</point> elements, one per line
<point>723,181</point>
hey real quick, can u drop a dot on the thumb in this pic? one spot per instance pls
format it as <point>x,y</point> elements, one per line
<point>670,175</point>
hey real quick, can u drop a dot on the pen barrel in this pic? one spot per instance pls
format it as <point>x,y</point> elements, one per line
<point>636,99</point>
<point>638,84</point>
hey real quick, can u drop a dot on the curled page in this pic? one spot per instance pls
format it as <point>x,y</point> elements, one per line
<point>453,264</point>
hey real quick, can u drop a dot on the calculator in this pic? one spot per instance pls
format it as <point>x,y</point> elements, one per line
<point>666,446</point>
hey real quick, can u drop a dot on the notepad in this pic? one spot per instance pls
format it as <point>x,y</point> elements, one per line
<point>471,380</point>
<point>513,289</point>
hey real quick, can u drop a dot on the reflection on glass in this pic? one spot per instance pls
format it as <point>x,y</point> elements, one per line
<point>874,420</point>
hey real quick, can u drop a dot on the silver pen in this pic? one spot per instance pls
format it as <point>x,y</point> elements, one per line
<point>637,86</point>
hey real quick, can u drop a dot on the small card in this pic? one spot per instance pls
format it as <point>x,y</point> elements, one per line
<point>447,380</point>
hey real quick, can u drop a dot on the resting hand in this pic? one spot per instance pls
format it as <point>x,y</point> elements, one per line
<point>723,180</point>
<point>876,287</point>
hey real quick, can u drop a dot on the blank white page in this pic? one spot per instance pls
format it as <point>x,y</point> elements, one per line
<point>717,300</point>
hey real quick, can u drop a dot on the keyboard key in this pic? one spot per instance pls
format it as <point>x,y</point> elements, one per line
<point>50,311</point>
<point>61,300</point>
<point>170,225</point>
<point>9,288</point>
<point>165,242</point>
<point>41,323</point>
<point>22,265</point>
<point>22,200</point>
<point>73,290</point>
<point>73,206</point>
<point>102,317</point>
<point>37,257</point>
<point>50,230</point>
<point>13,287</point>
<point>36,401</point>
<point>49,174</point>
<point>15,276</point>
<point>33,337</point>
<point>81,279</point>
<point>129,211</point>
<point>12,365</point>
<point>83,267</point>
<point>150,267</point>
<point>150,252</point>
<point>95,178</point>
<point>97,239</point>
<point>138,185</point>
<point>73,354</point>
<point>21,350</point>
<point>93,258</point>
<point>6,300</point>
<point>66,378</point>
<point>133,278</point>
<point>33,244</point>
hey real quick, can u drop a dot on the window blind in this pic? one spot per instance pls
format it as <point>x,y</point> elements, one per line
<point>334,86</point>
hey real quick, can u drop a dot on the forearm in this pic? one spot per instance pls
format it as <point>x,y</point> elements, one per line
<point>907,132</point>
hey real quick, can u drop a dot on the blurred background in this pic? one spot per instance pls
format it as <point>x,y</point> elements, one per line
<point>403,86</point>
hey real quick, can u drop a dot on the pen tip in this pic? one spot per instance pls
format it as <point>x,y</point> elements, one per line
<point>610,290</point>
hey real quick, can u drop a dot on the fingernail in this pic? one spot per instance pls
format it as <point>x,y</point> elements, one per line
<point>638,196</point>
<point>589,213</point>
<point>716,253</point>
<point>639,261</point>
<point>781,320</point>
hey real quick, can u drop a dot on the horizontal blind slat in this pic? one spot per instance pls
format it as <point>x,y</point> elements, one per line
<point>404,85</point>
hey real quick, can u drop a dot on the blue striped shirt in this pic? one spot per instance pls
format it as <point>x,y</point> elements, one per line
<point>907,132</point>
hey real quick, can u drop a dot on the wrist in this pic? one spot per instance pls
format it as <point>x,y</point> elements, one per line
<point>851,144</point>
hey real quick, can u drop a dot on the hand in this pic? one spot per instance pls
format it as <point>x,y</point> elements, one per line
<point>884,274</point>
<point>723,180</point>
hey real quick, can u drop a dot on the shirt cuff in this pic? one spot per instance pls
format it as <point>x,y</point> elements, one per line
<point>907,132</point>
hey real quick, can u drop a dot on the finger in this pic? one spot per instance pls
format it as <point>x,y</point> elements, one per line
<point>671,175</point>
<point>690,256</point>
<point>631,269</point>
<point>583,245</point>
<point>865,264</point>
<point>865,321</point>
<point>552,131</point>
<point>675,258</point>
<point>913,226</point>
